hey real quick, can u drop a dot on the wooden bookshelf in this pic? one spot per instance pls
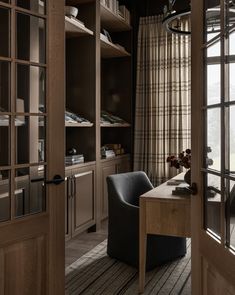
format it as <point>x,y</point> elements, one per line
<point>97,71</point>
<point>74,29</point>
<point>110,50</point>
<point>111,21</point>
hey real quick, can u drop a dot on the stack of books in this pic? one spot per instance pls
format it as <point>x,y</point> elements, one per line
<point>107,153</point>
<point>74,118</point>
<point>119,10</point>
<point>108,118</point>
<point>111,5</point>
<point>116,147</point>
<point>74,159</point>
<point>124,13</point>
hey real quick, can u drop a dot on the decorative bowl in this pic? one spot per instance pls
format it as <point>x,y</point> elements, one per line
<point>71,11</point>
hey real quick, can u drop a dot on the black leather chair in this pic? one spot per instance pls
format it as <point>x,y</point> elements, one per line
<point>123,225</point>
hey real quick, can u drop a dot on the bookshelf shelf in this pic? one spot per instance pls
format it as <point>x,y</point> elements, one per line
<point>115,125</point>
<point>80,165</point>
<point>111,21</point>
<point>73,28</point>
<point>110,50</point>
<point>67,124</point>
<point>124,156</point>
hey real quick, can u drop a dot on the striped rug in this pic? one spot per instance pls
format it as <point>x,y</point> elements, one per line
<point>96,273</point>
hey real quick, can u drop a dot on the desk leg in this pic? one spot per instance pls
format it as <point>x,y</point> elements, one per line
<point>142,245</point>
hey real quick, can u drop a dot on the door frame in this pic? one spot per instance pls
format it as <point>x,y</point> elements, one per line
<point>203,244</point>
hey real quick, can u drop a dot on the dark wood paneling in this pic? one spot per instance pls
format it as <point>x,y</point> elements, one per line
<point>24,267</point>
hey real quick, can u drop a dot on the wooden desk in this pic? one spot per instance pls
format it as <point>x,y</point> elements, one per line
<point>162,213</point>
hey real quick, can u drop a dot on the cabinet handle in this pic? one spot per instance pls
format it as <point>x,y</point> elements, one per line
<point>71,185</point>
<point>75,187</point>
<point>68,187</point>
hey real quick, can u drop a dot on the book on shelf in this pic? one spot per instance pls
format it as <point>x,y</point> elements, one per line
<point>116,148</point>
<point>108,118</point>
<point>107,153</point>
<point>71,117</point>
<point>124,13</point>
<point>112,5</point>
<point>74,159</point>
<point>103,37</point>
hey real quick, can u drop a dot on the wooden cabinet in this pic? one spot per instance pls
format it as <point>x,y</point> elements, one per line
<point>109,167</point>
<point>80,200</point>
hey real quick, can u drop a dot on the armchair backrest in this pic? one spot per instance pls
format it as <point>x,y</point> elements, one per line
<point>128,187</point>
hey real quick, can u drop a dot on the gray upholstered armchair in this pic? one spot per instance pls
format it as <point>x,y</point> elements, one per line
<point>123,229</point>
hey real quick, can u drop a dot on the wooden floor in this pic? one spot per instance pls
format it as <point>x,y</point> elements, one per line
<point>83,243</point>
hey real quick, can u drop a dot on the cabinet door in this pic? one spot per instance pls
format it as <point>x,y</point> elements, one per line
<point>83,201</point>
<point>124,166</point>
<point>106,171</point>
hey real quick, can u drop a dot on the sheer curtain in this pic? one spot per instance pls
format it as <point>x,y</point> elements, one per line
<point>163,95</point>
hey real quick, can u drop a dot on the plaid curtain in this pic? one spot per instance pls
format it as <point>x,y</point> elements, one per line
<point>163,98</point>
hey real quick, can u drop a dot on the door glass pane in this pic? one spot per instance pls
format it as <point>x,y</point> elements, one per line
<point>30,89</point>
<point>37,139</point>
<point>213,28</point>
<point>231,210</point>
<point>214,48</point>
<point>5,202</point>
<point>30,38</point>
<point>232,139</point>
<point>213,138</point>
<point>29,191</point>
<point>30,139</point>
<point>213,84</point>
<point>4,140</point>
<point>4,32</point>
<point>22,139</point>
<point>213,204</point>
<point>232,43</point>
<point>4,86</point>
<point>232,81</point>
<point>37,6</point>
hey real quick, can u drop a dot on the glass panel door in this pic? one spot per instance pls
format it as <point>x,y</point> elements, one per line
<point>23,116</point>
<point>219,118</point>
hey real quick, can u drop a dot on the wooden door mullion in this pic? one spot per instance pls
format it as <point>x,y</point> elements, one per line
<point>12,104</point>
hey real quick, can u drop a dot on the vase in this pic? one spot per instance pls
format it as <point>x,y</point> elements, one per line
<point>187,177</point>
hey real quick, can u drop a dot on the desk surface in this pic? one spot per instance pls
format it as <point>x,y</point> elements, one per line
<point>164,191</point>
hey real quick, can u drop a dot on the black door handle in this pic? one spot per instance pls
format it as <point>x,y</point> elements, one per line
<point>57,179</point>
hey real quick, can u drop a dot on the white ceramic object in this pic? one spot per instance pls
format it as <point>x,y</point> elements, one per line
<point>71,11</point>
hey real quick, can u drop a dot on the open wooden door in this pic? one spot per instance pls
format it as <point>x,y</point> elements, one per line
<point>213,147</point>
<point>31,147</point>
